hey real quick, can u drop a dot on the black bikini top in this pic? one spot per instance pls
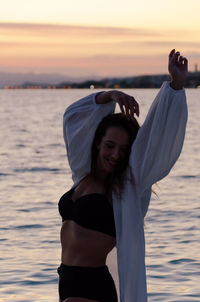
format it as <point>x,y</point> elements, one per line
<point>92,211</point>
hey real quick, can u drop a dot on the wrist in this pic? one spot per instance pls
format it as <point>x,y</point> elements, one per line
<point>176,85</point>
<point>103,97</point>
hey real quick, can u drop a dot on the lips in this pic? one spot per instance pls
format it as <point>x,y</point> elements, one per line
<point>112,164</point>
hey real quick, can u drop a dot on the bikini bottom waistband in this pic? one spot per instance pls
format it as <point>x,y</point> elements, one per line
<point>81,271</point>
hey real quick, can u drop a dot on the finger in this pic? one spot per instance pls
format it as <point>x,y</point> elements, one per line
<point>185,62</point>
<point>181,58</point>
<point>175,56</point>
<point>130,115</point>
<point>137,108</point>
<point>130,107</point>
<point>131,112</point>
<point>134,106</point>
<point>127,110</point>
<point>171,53</point>
<point>121,108</point>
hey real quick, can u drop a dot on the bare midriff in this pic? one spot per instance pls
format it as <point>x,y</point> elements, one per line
<point>84,247</point>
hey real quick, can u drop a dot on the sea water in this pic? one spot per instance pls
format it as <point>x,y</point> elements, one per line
<point>34,173</point>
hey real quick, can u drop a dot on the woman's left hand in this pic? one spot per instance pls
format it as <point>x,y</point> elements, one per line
<point>127,103</point>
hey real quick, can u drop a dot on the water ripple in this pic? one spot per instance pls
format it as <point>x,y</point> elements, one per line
<point>5,174</point>
<point>36,169</point>
<point>178,261</point>
<point>190,176</point>
<point>29,226</point>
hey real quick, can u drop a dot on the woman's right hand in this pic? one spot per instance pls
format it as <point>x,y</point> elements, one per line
<point>128,105</point>
<point>178,67</point>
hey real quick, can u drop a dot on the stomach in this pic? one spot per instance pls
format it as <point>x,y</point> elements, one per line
<point>84,247</point>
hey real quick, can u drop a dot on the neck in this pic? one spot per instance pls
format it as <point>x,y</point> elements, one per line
<point>102,176</point>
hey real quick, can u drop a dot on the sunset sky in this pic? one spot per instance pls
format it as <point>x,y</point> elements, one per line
<point>97,38</point>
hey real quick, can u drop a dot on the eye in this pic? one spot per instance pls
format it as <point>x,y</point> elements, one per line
<point>109,145</point>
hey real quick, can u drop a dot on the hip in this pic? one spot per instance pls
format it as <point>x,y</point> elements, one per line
<point>86,282</point>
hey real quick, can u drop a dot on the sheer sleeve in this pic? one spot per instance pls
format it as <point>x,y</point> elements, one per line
<point>160,139</point>
<point>79,125</point>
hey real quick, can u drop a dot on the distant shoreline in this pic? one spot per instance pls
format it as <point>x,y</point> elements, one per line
<point>148,81</point>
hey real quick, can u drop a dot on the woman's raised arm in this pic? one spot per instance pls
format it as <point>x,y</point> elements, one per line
<point>79,125</point>
<point>160,139</point>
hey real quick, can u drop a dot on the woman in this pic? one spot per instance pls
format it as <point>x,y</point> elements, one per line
<point>111,167</point>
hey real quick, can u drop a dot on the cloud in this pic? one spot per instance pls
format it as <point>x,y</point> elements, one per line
<point>103,66</point>
<point>46,28</point>
<point>99,65</point>
<point>181,44</point>
<point>89,30</point>
<point>90,50</point>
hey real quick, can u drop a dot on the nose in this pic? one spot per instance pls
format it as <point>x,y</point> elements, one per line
<point>115,154</point>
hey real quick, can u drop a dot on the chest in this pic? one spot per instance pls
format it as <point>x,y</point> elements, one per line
<point>92,211</point>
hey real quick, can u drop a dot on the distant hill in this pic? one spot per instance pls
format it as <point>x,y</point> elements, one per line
<point>146,81</point>
<point>44,81</point>
<point>15,79</point>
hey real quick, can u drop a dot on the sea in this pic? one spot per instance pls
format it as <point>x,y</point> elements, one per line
<point>34,173</point>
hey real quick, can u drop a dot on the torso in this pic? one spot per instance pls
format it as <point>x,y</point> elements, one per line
<point>83,246</point>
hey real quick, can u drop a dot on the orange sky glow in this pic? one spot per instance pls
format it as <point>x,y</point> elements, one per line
<point>103,49</point>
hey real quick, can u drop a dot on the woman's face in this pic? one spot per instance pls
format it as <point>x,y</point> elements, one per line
<point>113,150</point>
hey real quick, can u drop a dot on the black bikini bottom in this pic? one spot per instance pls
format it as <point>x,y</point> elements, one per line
<point>94,283</point>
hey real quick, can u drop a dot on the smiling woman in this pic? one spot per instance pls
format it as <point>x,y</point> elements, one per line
<point>114,163</point>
